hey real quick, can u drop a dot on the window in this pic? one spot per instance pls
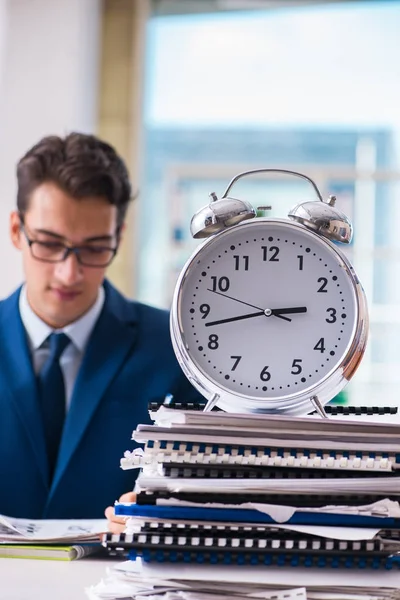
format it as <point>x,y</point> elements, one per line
<point>315,89</point>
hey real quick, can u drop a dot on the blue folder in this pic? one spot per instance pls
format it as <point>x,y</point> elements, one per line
<point>244,515</point>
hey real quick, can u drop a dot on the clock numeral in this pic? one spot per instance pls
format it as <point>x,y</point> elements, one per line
<point>245,261</point>
<point>220,283</point>
<point>213,341</point>
<point>324,282</point>
<point>320,345</point>
<point>265,375</point>
<point>204,309</point>
<point>236,360</point>
<point>296,366</point>
<point>332,312</point>
<point>271,253</point>
<point>301,258</point>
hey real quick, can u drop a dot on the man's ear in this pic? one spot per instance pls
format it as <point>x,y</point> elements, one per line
<point>120,233</point>
<point>15,229</point>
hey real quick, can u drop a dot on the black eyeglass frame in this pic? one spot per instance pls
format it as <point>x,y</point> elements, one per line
<point>68,250</point>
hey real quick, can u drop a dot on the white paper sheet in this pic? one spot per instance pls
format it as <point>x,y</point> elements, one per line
<point>63,530</point>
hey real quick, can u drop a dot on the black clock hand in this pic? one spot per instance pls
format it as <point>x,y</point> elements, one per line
<point>279,316</point>
<point>235,299</point>
<point>288,311</point>
<point>240,318</point>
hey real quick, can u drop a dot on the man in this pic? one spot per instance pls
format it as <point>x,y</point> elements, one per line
<point>79,363</point>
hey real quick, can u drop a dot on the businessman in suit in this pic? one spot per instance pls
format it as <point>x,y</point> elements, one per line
<point>79,362</point>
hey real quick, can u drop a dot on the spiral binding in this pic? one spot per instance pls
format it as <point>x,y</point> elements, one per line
<point>201,471</point>
<point>191,453</point>
<point>182,542</point>
<point>330,409</point>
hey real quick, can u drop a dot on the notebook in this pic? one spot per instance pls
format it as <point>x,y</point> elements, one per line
<point>343,441</point>
<point>330,409</point>
<point>384,486</point>
<point>178,470</point>
<point>182,420</point>
<point>48,552</point>
<point>253,544</point>
<point>214,496</point>
<point>50,531</point>
<point>189,453</point>
<point>365,516</point>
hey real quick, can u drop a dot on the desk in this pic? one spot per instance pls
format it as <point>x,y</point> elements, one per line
<point>23,579</point>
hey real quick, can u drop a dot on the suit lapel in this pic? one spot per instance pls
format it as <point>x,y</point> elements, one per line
<point>99,366</point>
<point>17,375</point>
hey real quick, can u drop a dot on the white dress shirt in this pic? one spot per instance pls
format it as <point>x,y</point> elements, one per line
<point>79,332</point>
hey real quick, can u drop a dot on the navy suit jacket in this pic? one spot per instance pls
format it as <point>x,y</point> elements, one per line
<point>129,361</point>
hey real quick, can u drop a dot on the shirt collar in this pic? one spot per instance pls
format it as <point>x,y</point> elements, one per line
<point>79,331</point>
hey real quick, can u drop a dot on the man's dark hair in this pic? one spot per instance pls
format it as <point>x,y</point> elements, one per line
<point>81,165</point>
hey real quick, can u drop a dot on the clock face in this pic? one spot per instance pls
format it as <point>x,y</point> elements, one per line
<point>267,309</point>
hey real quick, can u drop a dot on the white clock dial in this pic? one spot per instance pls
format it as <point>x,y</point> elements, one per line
<point>267,310</point>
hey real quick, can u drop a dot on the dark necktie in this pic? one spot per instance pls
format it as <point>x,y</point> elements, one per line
<point>52,396</point>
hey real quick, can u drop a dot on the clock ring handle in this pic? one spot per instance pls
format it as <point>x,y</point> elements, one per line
<point>286,171</point>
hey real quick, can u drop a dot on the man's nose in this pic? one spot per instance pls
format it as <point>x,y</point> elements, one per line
<point>69,271</point>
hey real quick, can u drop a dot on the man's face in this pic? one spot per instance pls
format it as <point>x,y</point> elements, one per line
<point>59,293</point>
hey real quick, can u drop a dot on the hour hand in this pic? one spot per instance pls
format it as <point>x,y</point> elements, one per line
<point>279,312</point>
<point>288,311</point>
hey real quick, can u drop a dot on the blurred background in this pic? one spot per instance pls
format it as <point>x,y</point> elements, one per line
<point>192,92</point>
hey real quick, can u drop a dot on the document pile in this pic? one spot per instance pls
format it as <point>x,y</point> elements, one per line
<point>67,539</point>
<point>252,505</point>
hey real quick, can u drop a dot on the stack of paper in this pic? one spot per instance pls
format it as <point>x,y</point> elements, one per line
<point>246,494</point>
<point>140,581</point>
<point>52,539</point>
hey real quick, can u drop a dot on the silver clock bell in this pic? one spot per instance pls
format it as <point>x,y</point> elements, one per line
<point>319,216</point>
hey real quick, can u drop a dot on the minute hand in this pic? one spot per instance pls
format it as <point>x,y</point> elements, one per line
<point>288,311</point>
<point>231,319</point>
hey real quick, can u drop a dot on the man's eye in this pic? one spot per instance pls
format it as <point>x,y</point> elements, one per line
<point>94,249</point>
<point>51,245</point>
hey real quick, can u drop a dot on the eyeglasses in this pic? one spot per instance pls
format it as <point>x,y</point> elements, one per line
<point>54,252</point>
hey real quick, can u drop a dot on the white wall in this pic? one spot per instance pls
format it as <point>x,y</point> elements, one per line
<point>3,27</point>
<point>49,52</point>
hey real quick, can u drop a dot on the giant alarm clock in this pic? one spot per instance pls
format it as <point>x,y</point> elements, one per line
<point>268,315</point>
